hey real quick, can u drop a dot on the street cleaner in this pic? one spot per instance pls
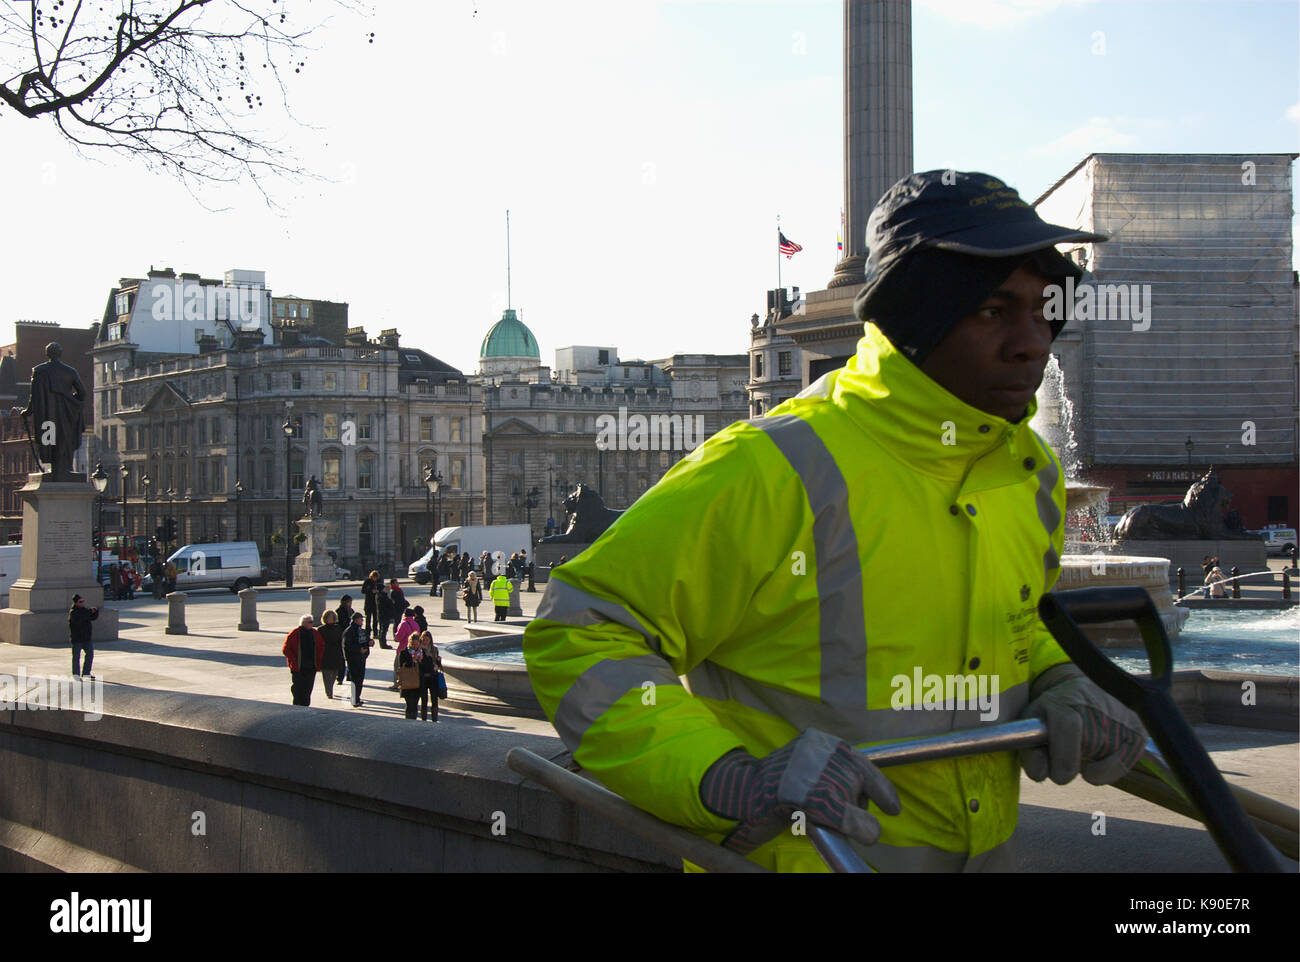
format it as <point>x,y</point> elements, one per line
<point>859,566</point>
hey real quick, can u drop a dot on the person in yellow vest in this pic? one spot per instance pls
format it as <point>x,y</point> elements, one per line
<point>861,565</point>
<point>500,592</point>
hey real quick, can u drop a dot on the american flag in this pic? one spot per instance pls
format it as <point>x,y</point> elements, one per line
<point>786,246</point>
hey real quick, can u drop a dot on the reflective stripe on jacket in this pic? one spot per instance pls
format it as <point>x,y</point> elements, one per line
<point>825,566</point>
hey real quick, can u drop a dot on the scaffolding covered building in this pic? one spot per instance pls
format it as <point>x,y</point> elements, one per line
<point>1183,350</point>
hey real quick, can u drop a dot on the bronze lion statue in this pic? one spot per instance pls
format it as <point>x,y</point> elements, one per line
<point>587,517</point>
<point>1201,516</point>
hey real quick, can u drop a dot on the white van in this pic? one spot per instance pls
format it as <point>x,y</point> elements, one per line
<point>1278,540</point>
<point>224,564</point>
<point>473,539</point>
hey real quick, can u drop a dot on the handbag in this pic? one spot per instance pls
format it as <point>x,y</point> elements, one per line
<point>408,677</point>
<point>442,685</point>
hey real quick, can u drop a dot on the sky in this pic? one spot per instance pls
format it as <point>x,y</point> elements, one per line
<point>644,151</point>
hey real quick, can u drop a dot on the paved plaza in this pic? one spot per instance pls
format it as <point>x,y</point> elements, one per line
<point>1057,823</point>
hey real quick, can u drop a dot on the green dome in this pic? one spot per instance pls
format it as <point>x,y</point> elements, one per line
<point>509,337</point>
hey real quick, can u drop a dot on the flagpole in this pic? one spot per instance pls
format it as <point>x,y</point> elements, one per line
<point>778,263</point>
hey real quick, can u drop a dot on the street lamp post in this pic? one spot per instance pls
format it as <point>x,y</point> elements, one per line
<point>432,482</point>
<point>239,496</point>
<point>287,428</point>
<point>99,478</point>
<point>550,491</point>
<point>1189,442</point>
<point>125,472</point>
<point>531,500</point>
<point>428,491</point>
<point>148,483</point>
<point>171,495</point>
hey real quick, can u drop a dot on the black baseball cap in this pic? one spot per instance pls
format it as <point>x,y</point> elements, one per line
<point>966,212</point>
<point>939,241</point>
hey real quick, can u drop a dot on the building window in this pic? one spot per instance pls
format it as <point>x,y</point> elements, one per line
<point>516,459</point>
<point>157,435</point>
<point>784,363</point>
<point>331,381</point>
<point>401,428</point>
<point>268,474</point>
<point>514,488</point>
<point>293,310</point>
<point>306,310</point>
<point>268,427</point>
<point>365,534</point>
<point>580,460</point>
<point>364,381</point>
<point>279,310</point>
<point>330,473</point>
<point>645,373</point>
<point>364,427</point>
<point>457,473</point>
<point>559,459</point>
<point>457,426</point>
<point>758,365</point>
<point>185,432</point>
<point>295,471</point>
<point>602,357</point>
<point>331,427</point>
<point>298,432</point>
<point>561,422</point>
<point>217,436</point>
<point>426,429</point>
<point>183,476</point>
<point>296,380</point>
<point>171,434</point>
<point>218,476</point>
<point>203,430</point>
<point>203,477</point>
<point>365,468</point>
<point>268,380</point>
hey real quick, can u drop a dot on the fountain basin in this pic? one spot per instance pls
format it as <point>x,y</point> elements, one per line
<point>486,685</point>
<point>1107,571</point>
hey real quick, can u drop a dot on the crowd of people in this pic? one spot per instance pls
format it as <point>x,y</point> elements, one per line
<point>338,647</point>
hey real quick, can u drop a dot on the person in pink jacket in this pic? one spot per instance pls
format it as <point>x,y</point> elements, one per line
<point>402,636</point>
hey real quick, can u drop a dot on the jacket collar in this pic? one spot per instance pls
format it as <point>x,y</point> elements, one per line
<point>923,424</point>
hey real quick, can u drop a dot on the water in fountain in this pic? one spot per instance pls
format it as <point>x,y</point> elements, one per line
<point>1086,531</point>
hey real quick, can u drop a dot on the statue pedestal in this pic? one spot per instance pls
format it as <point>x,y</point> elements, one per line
<point>314,563</point>
<point>57,563</point>
<point>545,555</point>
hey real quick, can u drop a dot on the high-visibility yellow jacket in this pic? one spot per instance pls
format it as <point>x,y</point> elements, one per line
<point>818,568</point>
<point>500,591</point>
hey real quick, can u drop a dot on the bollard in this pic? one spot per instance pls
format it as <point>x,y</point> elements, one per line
<point>317,602</point>
<point>248,610</point>
<point>530,577</point>
<point>1286,584</point>
<point>176,613</point>
<point>449,592</point>
<point>1236,585</point>
<point>1182,583</point>
<point>514,608</point>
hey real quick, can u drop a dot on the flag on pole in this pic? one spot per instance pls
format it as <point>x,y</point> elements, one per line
<point>786,246</point>
<point>839,238</point>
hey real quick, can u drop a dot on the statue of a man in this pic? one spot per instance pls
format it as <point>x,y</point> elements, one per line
<point>55,415</point>
<point>311,497</point>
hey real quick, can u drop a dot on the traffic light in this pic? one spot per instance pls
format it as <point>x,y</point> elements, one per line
<point>169,525</point>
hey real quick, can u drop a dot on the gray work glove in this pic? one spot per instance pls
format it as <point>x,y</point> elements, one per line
<point>1088,731</point>
<point>816,774</point>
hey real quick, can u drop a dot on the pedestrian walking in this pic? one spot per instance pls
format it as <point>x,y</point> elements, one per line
<point>407,672</point>
<point>398,598</point>
<point>370,605</point>
<point>331,665</point>
<point>156,579</point>
<point>170,572</point>
<point>421,622</point>
<point>79,635</point>
<point>115,582</point>
<point>500,591</point>
<point>344,614</point>
<point>304,649</point>
<point>466,566</point>
<point>384,606</point>
<point>402,636</point>
<point>430,664</point>
<point>356,649</point>
<point>472,596</point>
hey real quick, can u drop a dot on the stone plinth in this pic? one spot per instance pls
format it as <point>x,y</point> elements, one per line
<point>1247,554</point>
<point>546,555</point>
<point>314,563</point>
<point>57,563</point>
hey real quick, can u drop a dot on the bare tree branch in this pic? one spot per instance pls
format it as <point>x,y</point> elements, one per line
<point>161,80</point>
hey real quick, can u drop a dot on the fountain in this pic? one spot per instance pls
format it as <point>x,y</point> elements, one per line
<point>1086,505</point>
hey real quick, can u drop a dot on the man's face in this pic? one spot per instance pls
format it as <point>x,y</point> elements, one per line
<point>994,359</point>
